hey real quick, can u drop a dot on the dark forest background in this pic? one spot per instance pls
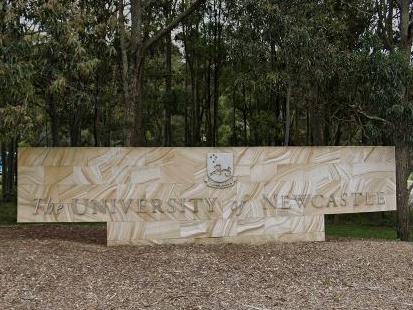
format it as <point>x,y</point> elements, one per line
<point>206,73</point>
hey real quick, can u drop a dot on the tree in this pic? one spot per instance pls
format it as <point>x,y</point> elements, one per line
<point>138,49</point>
<point>400,111</point>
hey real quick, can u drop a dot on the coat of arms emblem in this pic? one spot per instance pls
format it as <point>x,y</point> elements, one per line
<point>220,170</point>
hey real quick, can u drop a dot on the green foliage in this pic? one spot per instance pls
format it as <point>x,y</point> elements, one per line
<point>61,74</point>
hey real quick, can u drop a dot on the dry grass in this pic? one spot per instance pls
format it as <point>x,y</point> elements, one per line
<point>64,267</point>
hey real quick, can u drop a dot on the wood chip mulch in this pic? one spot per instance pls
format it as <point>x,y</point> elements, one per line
<point>65,267</point>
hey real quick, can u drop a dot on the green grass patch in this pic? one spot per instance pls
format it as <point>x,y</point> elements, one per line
<point>363,232</point>
<point>8,215</point>
<point>8,211</point>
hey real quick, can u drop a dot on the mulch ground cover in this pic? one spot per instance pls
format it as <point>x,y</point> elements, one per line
<point>70,267</point>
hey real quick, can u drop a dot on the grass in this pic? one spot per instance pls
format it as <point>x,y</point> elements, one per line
<point>7,213</point>
<point>354,231</point>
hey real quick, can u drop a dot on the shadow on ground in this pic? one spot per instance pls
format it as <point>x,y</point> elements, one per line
<point>90,233</point>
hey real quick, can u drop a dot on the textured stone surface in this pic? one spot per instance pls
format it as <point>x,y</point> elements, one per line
<point>283,228</point>
<point>162,194</point>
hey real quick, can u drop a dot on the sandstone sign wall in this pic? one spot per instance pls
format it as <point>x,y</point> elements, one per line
<point>204,194</point>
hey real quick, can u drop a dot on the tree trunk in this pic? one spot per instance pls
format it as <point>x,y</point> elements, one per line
<point>337,138</point>
<point>402,174</point>
<point>234,119</point>
<point>287,116</point>
<point>10,170</point>
<point>402,133</point>
<point>194,110</point>
<point>187,106</point>
<point>75,127</point>
<point>98,108</point>
<point>15,163</point>
<point>190,107</point>
<point>215,106</point>
<point>136,135</point>
<point>197,107</point>
<point>167,135</point>
<point>218,52</point>
<point>209,107</point>
<point>125,67</point>
<point>54,122</point>
<point>193,66</point>
<point>308,127</point>
<point>244,117</point>
<point>4,171</point>
<point>405,35</point>
<point>316,121</point>
<point>95,123</point>
<point>137,128</point>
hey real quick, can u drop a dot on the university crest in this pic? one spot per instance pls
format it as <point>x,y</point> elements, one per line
<point>220,170</point>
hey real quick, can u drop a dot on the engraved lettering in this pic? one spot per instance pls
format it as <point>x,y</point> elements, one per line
<point>195,202</point>
<point>36,208</point>
<point>171,205</point>
<point>371,198</point>
<point>156,205</point>
<point>332,202</point>
<point>285,202</point>
<point>210,202</point>
<point>314,200</point>
<point>299,199</point>
<point>268,200</point>
<point>142,203</point>
<point>76,209</point>
<point>98,206</point>
<point>49,207</point>
<point>126,205</point>
<point>356,202</point>
<point>380,198</point>
<point>59,208</point>
<point>343,200</point>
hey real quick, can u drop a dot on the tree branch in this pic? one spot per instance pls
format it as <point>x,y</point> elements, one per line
<point>371,117</point>
<point>410,189</point>
<point>194,6</point>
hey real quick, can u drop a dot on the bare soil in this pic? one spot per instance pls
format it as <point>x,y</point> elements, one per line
<point>66,267</point>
